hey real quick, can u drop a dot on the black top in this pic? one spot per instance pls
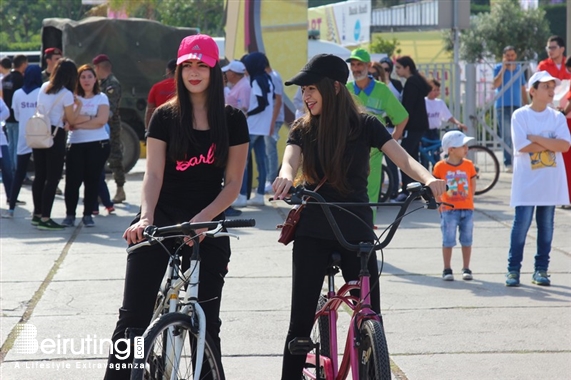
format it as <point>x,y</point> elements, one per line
<point>415,89</point>
<point>11,83</point>
<point>312,220</point>
<point>189,186</point>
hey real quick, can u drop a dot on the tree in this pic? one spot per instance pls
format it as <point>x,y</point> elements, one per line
<point>388,47</point>
<point>207,15</point>
<point>506,24</point>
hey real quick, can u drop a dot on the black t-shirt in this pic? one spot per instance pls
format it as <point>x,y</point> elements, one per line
<point>312,221</point>
<point>191,185</point>
<point>11,83</point>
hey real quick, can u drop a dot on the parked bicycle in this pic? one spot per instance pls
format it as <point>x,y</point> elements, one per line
<point>366,353</point>
<point>484,159</point>
<point>176,344</point>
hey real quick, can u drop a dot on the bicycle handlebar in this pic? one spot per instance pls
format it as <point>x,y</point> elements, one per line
<point>153,234</point>
<point>415,189</point>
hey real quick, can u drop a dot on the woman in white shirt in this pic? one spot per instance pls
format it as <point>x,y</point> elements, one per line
<point>56,98</point>
<point>88,147</point>
<point>24,104</point>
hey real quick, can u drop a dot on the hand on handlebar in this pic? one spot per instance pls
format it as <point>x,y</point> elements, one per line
<point>134,233</point>
<point>197,218</point>
<point>437,186</point>
<point>281,187</point>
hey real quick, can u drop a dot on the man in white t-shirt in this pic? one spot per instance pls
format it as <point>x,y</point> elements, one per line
<point>438,113</point>
<point>539,135</point>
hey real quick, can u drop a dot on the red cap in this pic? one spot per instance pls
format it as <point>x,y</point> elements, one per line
<point>199,46</point>
<point>100,58</point>
<point>53,50</point>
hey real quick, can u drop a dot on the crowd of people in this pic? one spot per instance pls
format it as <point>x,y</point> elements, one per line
<point>82,106</point>
<point>204,121</point>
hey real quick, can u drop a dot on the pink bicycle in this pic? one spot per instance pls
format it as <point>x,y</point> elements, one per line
<point>366,353</point>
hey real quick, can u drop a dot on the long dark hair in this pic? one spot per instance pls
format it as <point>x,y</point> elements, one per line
<point>325,136</point>
<point>181,137</point>
<point>406,61</point>
<point>78,89</point>
<point>64,76</point>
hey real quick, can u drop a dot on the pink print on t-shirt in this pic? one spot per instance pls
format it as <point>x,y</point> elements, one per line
<point>209,160</point>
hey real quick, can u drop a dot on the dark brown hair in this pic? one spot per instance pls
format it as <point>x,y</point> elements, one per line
<point>78,89</point>
<point>64,76</point>
<point>325,136</point>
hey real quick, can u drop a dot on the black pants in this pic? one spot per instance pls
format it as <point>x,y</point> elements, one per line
<point>49,167</point>
<point>21,170</point>
<point>410,144</point>
<point>145,270</point>
<point>84,164</point>
<point>310,259</point>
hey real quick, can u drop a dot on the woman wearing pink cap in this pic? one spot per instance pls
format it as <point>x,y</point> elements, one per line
<point>194,142</point>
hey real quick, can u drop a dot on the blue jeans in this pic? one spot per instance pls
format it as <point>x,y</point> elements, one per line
<point>505,130</point>
<point>257,144</point>
<point>461,220</point>
<point>544,216</point>
<point>272,152</point>
<point>12,131</point>
<point>7,170</point>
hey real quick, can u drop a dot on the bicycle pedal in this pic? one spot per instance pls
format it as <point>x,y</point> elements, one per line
<point>301,346</point>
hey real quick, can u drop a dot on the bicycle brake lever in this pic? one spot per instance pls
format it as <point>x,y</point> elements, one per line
<point>214,234</point>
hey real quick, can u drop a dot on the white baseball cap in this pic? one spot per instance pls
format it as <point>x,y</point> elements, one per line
<point>235,66</point>
<point>454,139</point>
<point>541,76</point>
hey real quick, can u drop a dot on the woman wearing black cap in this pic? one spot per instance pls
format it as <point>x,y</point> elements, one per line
<point>334,140</point>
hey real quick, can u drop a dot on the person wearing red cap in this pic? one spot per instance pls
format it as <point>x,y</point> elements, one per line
<point>52,55</point>
<point>112,88</point>
<point>194,143</point>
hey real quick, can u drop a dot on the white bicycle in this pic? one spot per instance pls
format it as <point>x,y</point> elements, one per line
<point>176,345</point>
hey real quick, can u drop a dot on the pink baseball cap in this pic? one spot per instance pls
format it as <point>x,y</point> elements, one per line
<point>198,46</point>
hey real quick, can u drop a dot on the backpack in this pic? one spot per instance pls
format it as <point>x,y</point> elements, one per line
<point>39,129</point>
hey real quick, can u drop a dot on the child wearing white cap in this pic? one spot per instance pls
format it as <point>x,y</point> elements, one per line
<point>539,184</point>
<point>460,176</point>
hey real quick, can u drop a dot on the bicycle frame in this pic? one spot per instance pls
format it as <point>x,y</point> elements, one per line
<point>428,147</point>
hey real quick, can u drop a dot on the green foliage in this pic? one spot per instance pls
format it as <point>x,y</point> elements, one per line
<point>506,24</point>
<point>207,15</point>
<point>21,20</point>
<point>388,47</point>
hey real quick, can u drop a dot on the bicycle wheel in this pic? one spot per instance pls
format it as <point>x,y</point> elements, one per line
<point>156,363</point>
<point>320,333</point>
<point>487,167</point>
<point>374,362</point>
<point>387,184</point>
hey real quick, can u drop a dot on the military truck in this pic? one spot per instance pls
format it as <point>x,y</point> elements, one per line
<point>139,50</point>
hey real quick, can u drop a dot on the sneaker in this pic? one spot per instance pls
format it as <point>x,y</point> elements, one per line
<point>467,274</point>
<point>8,214</point>
<point>87,221</point>
<point>512,278</point>
<point>35,220</point>
<point>110,210</point>
<point>540,277</point>
<point>50,225</point>
<point>27,182</point>
<point>69,221</point>
<point>241,201</point>
<point>508,169</point>
<point>401,197</point>
<point>18,202</point>
<point>269,189</point>
<point>256,200</point>
<point>230,211</point>
<point>95,212</point>
<point>447,275</point>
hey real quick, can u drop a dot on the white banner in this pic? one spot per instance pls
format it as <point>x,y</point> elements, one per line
<point>346,24</point>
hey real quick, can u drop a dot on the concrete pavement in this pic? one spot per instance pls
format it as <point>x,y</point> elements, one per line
<point>68,285</point>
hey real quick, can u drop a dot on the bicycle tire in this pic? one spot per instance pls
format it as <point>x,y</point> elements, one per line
<point>374,362</point>
<point>320,333</point>
<point>152,365</point>
<point>487,167</point>
<point>387,184</point>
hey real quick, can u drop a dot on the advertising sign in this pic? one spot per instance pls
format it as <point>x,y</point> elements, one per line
<point>346,24</point>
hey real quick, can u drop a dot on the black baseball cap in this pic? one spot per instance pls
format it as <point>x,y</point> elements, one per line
<point>319,67</point>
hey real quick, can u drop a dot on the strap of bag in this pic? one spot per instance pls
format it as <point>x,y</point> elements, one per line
<point>316,188</point>
<point>61,94</point>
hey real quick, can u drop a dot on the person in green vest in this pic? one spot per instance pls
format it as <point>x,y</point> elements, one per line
<point>378,100</point>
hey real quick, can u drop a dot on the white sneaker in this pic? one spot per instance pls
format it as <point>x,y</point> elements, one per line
<point>256,200</point>
<point>508,169</point>
<point>240,201</point>
<point>269,189</point>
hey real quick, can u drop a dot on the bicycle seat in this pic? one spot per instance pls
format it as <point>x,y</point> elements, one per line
<point>333,264</point>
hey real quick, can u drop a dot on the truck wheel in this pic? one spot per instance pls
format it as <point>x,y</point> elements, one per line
<point>130,146</point>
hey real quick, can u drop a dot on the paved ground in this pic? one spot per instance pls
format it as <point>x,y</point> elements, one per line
<point>68,285</point>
